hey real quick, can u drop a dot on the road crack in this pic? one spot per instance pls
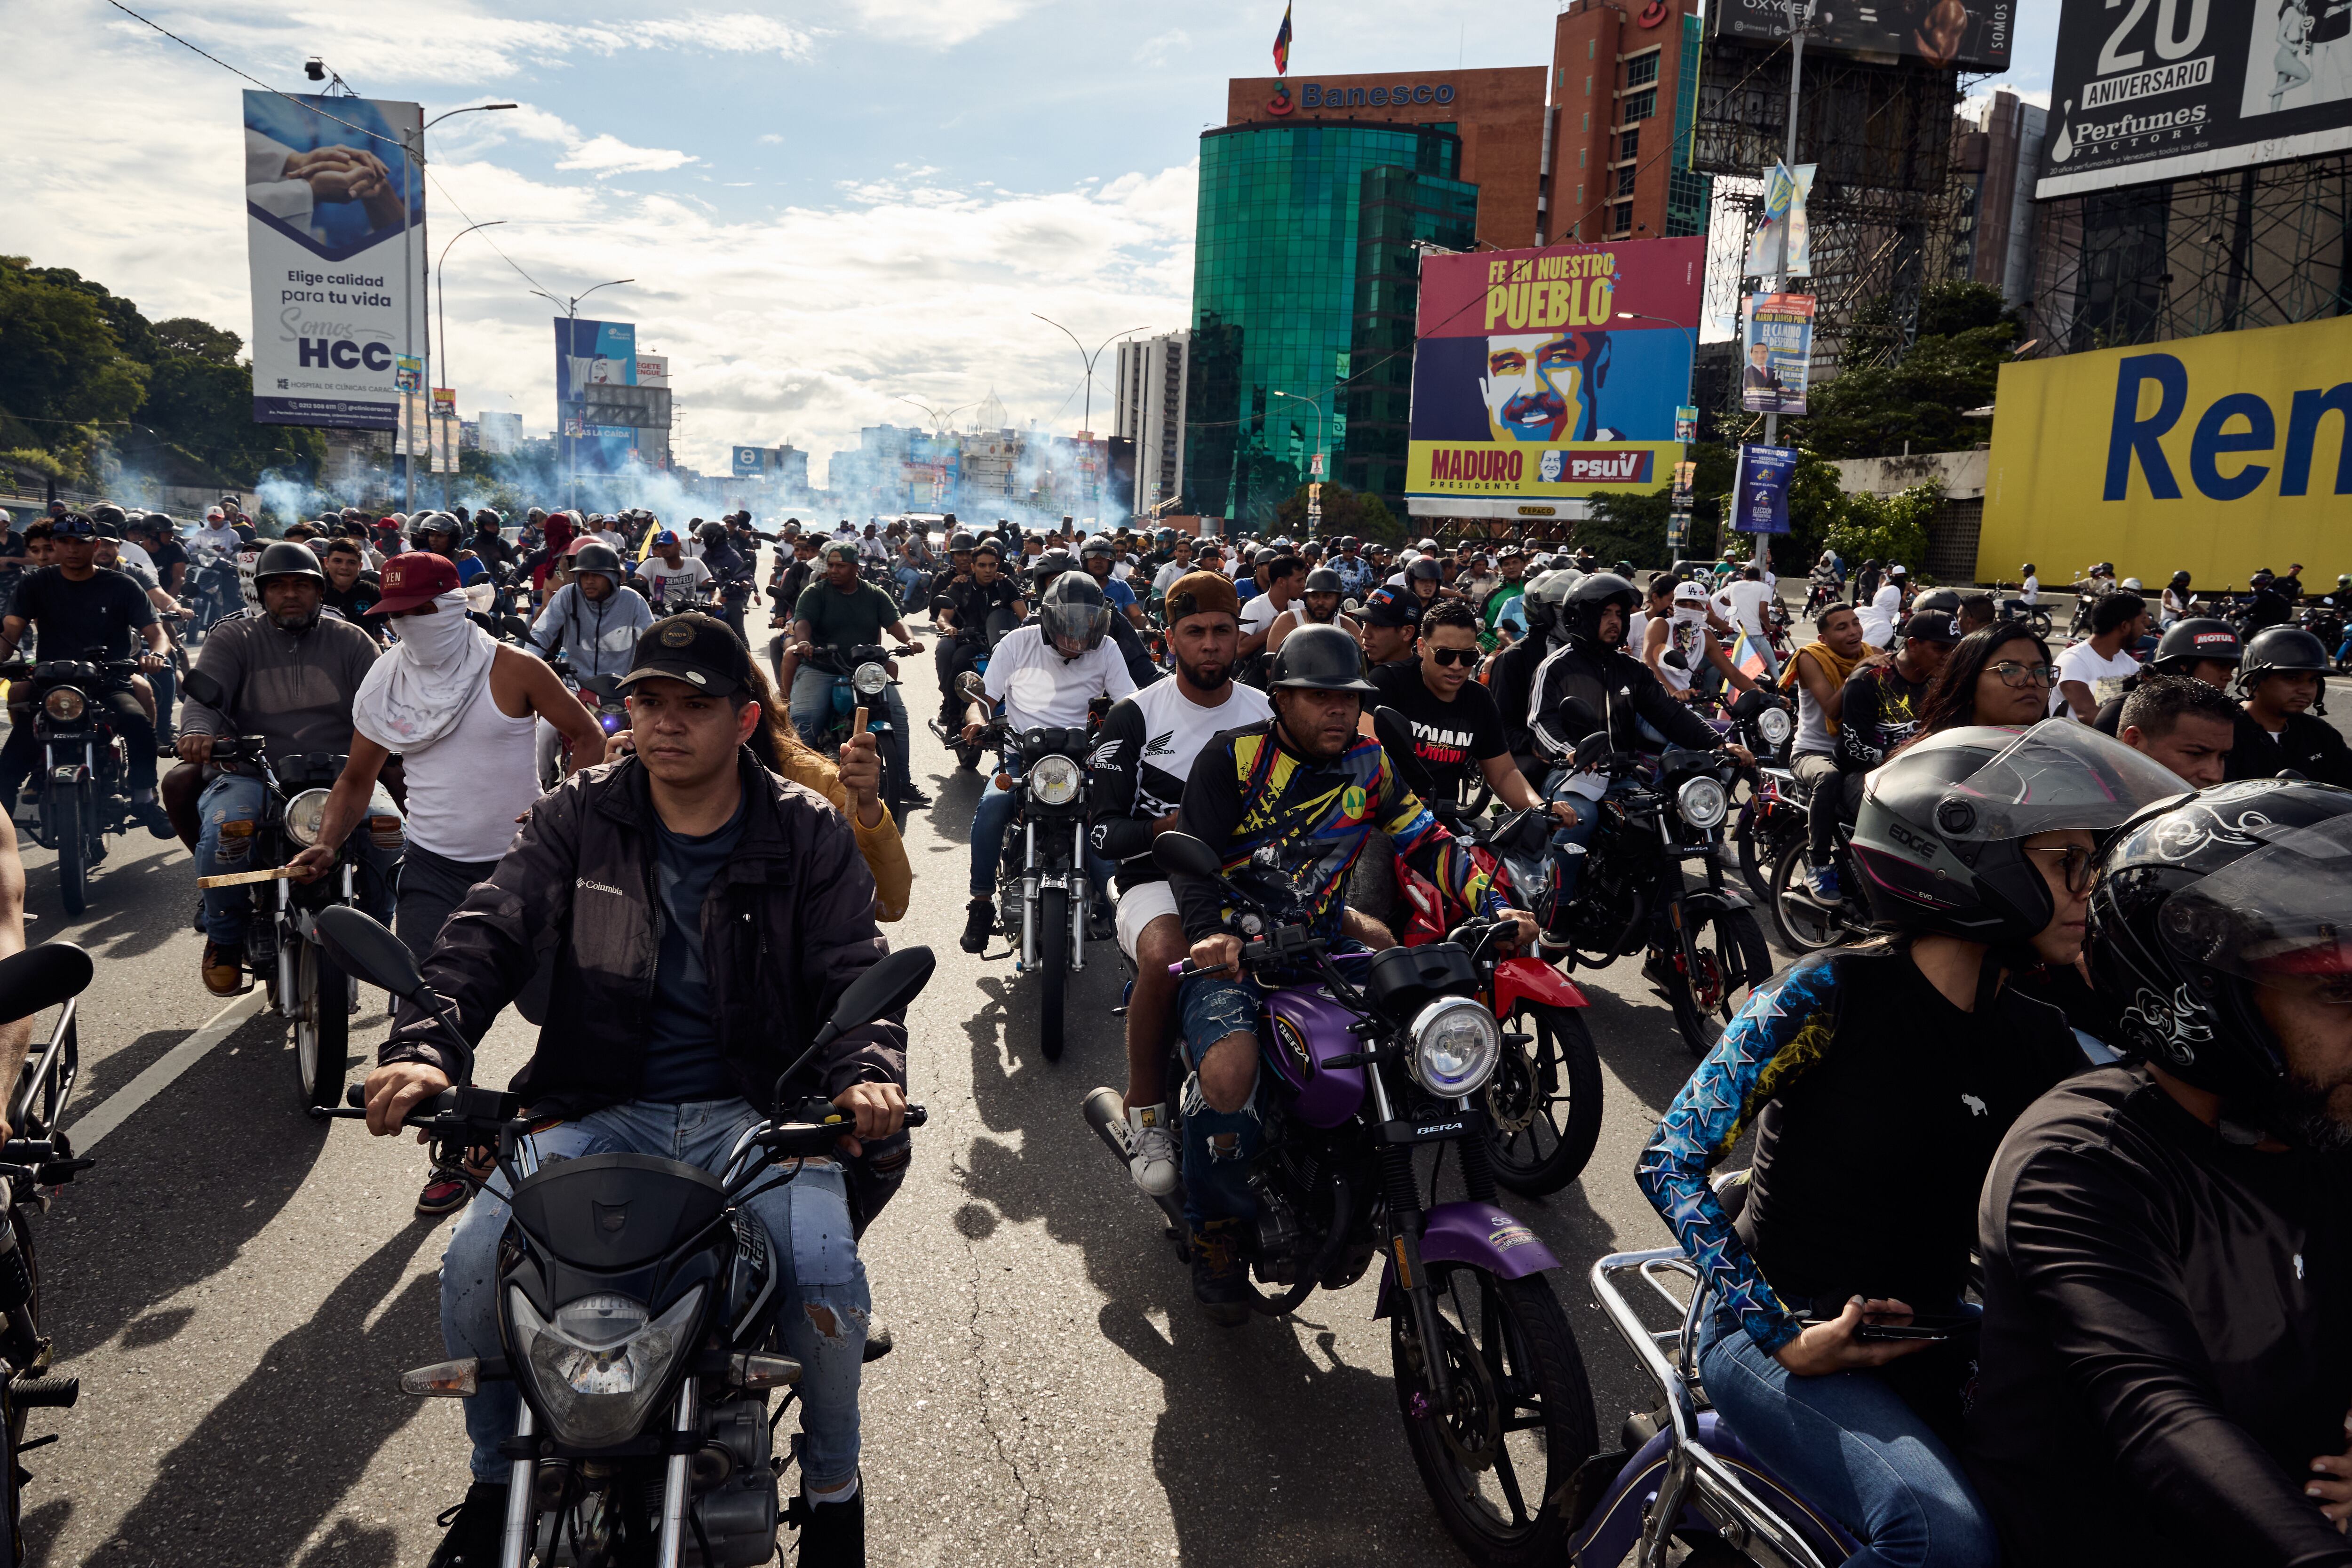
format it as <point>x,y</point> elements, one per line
<point>1032,1497</point>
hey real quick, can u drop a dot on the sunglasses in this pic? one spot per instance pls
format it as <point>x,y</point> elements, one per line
<point>2018,676</point>
<point>1448,656</point>
<point>2079,862</point>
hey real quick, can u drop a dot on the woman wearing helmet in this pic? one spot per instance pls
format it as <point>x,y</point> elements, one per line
<point>1890,1072</point>
<point>2283,677</point>
<point>2161,1378</point>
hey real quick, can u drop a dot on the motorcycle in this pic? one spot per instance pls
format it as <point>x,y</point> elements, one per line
<point>80,791</point>
<point>1704,949</point>
<point>1807,923</point>
<point>860,675</point>
<point>36,1156</point>
<point>211,586</point>
<point>601,695</point>
<point>1042,891</point>
<point>644,1353</point>
<point>1367,1057</point>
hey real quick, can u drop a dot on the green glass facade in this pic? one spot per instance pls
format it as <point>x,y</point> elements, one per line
<point>1688,194</point>
<point>1305,282</point>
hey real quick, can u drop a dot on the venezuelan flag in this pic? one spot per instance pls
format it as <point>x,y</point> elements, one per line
<point>1282,45</point>
<point>1746,657</point>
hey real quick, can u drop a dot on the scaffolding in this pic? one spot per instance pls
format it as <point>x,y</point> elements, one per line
<point>2177,258</point>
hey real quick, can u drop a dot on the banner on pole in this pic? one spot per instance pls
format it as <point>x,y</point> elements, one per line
<point>1778,341</point>
<point>445,430</point>
<point>1685,424</point>
<point>1782,242</point>
<point>1760,489</point>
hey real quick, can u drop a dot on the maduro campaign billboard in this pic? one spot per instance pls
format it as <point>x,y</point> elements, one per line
<point>2160,89</point>
<point>2215,453</point>
<point>1974,34</point>
<point>328,189</point>
<point>1552,373</point>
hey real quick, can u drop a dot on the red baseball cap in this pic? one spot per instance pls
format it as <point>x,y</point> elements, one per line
<point>415,577</point>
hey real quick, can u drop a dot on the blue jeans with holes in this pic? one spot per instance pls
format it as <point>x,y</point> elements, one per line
<point>228,809</point>
<point>1216,1178</point>
<point>822,1304</point>
<point>1851,1446</point>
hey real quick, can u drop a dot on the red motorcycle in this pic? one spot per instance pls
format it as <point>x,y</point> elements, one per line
<point>1543,1104</point>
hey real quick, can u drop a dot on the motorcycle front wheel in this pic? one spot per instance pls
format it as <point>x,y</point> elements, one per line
<point>322,1022</point>
<point>1543,1106</point>
<point>1497,1463</point>
<point>1052,968</point>
<point>12,1412</point>
<point>62,818</point>
<point>1709,987</point>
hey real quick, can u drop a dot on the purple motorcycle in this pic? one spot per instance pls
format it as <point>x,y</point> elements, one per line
<point>1373,1055</point>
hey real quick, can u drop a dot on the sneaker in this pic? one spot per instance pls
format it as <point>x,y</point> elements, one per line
<point>914,799</point>
<point>1220,1282</point>
<point>980,924</point>
<point>1821,881</point>
<point>1152,1159</point>
<point>833,1534</point>
<point>158,820</point>
<point>224,974</point>
<point>473,1529</point>
<point>1102,921</point>
<point>446,1192</point>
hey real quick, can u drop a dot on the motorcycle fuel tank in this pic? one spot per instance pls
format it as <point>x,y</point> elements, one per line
<point>1298,1032</point>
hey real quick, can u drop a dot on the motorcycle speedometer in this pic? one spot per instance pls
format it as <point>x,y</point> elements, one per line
<point>306,814</point>
<point>1455,1046</point>
<point>1053,781</point>
<point>1702,801</point>
<point>870,680</point>
<point>1774,725</point>
<point>64,704</point>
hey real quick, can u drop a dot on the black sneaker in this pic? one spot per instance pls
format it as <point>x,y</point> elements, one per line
<point>979,925</point>
<point>473,1529</point>
<point>833,1534</point>
<point>1219,1278</point>
<point>914,799</point>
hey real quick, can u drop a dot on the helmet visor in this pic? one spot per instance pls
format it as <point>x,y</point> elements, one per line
<point>2055,776</point>
<point>1068,623</point>
<point>2281,916</point>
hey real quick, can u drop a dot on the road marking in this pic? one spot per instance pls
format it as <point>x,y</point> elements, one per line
<point>118,1108</point>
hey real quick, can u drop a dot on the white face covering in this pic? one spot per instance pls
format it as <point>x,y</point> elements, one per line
<point>1690,615</point>
<point>416,694</point>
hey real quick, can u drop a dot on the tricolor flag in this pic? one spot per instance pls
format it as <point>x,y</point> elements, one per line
<point>1748,657</point>
<point>1282,45</point>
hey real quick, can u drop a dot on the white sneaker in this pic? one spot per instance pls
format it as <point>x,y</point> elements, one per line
<point>1154,1163</point>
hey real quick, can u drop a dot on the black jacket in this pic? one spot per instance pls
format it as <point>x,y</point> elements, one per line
<point>1599,684</point>
<point>2310,745</point>
<point>789,923</point>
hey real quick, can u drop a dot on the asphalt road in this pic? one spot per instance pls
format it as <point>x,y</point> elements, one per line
<point>239,1288</point>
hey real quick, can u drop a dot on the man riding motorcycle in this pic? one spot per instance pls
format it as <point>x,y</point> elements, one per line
<point>1308,789</point>
<point>972,599</point>
<point>841,611</point>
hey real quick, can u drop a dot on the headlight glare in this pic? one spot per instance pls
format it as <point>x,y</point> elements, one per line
<point>1455,1045</point>
<point>306,814</point>
<point>870,680</point>
<point>1053,781</point>
<point>598,1368</point>
<point>1702,802</point>
<point>64,704</point>
<point>1773,724</point>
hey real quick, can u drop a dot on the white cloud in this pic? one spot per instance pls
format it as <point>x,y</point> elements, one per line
<point>773,140</point>
<point>602,155</point>
<point>938,24</point>
<point>1155,50</point>
<point>608,155</point>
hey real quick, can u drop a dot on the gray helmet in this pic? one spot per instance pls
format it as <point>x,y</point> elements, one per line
<point>1323,579</point>
<point>1100,544</point>
<point>2278,650</point>
<point>1074,606</point>
<point>599,557</point>
<point>1319,658</point>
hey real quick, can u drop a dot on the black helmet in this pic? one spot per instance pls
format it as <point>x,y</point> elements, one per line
<point>488,518</point>
<point>712,534</point>
<point>2180,579</point>
<point>961,542</point>
<point>2026,568</point>
<point>597,557</point>
<point>1323,579</point>
<point>2277,650</point>
<point>1424,571</point>
<point>1943,600</point>
<point>1319,658</point>
<point>2261,579</point>
<point>286,558</point>
<point>1943,824</point>
<point>2186,641</point>
<point>1052,562</point>
<point>2202,903</point>
<point>1074,606</point>
<point>1580,612</point>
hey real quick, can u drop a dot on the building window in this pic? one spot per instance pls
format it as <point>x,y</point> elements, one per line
<point>1641,105</point>
<point>1580,157</point>
<point>1625,173</point>
<point>1628,144</point>
<point>1580,195</point>
<point>1641,72</point>
<point>1588,87</point>
<point>1588,119</point>
<point>1621,220</point>
<point>1590,45</point>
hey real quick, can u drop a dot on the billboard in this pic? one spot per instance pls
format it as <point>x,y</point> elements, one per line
<point>593,360</point>
<point>749,461</point>
<point>1775,354</point>
<point>2216,454</point>
<point>1973,34</point>
<point>329,195</point>
<point>1541,374</point>
<point>2159,92</point>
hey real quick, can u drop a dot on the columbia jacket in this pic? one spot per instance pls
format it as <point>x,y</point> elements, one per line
<point>785,927</point>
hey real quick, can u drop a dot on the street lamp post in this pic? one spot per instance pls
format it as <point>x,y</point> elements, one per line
<point>1314,496</point>
<point>571,309</point>
<point>414,146</point>
<point>441,300</point>
<point>1087,421</point>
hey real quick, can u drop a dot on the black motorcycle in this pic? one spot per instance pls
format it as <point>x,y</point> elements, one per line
<point>1806,922</point>
<point>1042,885</point>
<point>212,590</point>
<point>79,791</point>
<point>641,1344</point>
<point>37,1156</point>
<point>1703,949</point>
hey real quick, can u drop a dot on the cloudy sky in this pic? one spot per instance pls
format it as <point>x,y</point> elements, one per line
<point>826,208</point>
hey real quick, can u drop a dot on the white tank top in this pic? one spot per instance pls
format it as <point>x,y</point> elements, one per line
<point>466,789</point>
<point>1812,726</point>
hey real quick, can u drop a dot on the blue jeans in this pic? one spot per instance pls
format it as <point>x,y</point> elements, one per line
<point>1853,1447</point>
<point>811,706</point>
<point>230,807</point>
<point>1587,821</point>
<point>1216,1176</point>
<point>824,1302</point>
<point>989,820</point>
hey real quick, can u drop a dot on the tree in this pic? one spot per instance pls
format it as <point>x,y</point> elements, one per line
<point>63,376</point>
<point>1359,513</point>
<point>186,335</point>
<point>1880,410</point>
<point>1886,528</point>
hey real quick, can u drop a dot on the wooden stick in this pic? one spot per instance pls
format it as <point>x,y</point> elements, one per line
<point>857,722</point>
<point>240,879</point>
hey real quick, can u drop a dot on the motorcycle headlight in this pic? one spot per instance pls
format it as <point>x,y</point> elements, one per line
<point>305,814</point>
<point>1702,801</point>
<point>870,680</point>
<point>598,1367</point>
<point>1455,1045</point>
<point>63,704</point>
<point>1774,725</point>
<point>1053,781</point>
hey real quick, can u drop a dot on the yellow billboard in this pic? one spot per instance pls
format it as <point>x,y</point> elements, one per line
<point>2215,455</point>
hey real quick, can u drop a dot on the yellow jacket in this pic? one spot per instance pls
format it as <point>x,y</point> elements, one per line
<point>885,852</point>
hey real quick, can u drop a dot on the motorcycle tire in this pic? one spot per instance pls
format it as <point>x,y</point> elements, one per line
<point>13,1412</point>
<point>1729,946</point>
<point>1053,968</point>
<point>2039,622</point>
<point>322,1022</point>
<point>1560,1072</point>
<point>968,758</point>
<point>1798,923</point>
<point>1501,1513</point>
<point>62,821</point>
<point>1754,855</point>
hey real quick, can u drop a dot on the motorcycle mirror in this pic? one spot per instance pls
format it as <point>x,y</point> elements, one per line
<point>204,688</point>
<point>1577,717</point>
<point>972,685</point>
<point>364,947</point>
<point>1180,854</point>
<point>1592,751</point>
<point>888,985</point>
<point>41,977</point>
<point>1396,735</point>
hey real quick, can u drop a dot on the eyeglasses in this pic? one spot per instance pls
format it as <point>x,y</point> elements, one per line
<point>2079,861</point>
<point>1453,654</point>
<point>2019,675</point>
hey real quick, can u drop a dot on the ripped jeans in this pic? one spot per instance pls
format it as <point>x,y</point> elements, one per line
<point>823,1303</point>
<point>229,810</point>
<point>1216,1174</point>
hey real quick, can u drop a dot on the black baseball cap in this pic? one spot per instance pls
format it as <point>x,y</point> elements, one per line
<point>694,648</point>
<point>1389,607</point>
<point>1932,625</point>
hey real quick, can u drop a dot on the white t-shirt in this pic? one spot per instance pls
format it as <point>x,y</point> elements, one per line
<point>2031,592</point>
<point>2105,677</point>
<point>222,538</point>
<point>1174,729</point>
<point>655,575</point>
<point>1040,690</point>
<point>1258,616</point>
<point>1748,605</point>
<point>1168,575</point>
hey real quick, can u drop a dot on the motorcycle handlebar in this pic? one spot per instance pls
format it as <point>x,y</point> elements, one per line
<point>451,1104</point>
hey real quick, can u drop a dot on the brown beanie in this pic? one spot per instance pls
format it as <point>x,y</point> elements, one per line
<point>1202,594</point>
